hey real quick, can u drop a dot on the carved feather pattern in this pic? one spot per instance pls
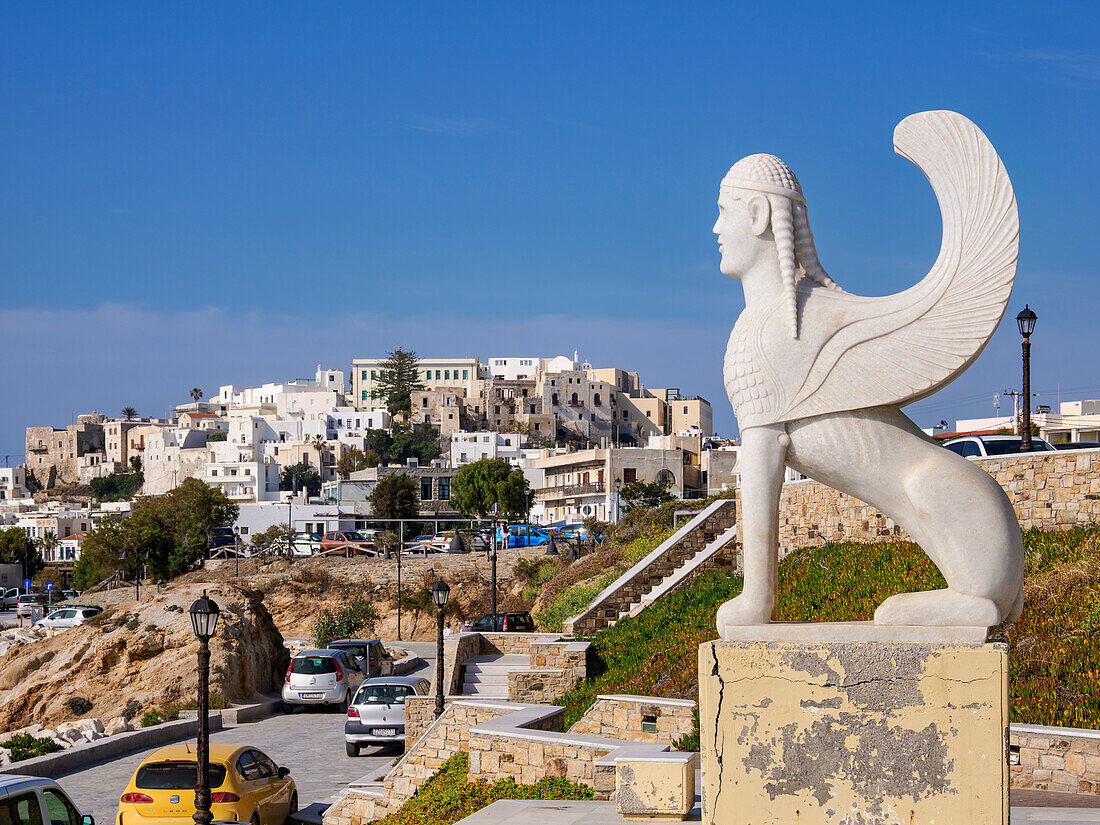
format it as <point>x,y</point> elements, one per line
<point>901,348</point>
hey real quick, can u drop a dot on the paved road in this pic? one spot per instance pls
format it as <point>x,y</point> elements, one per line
<point>309,742</point>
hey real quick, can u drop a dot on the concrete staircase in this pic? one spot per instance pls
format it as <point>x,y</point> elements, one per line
<point>706,542</point>
<point>486,677</point>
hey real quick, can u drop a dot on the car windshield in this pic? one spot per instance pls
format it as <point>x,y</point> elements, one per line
<point>382,694</point>
<point>175,776</point>
<point>354,536</point>
<point>312,665</point>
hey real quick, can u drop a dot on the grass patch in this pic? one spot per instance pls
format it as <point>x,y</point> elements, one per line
<point>572,601</point>
<point>25,746</point>
<point>448,796</point>
<point>1055,662</point>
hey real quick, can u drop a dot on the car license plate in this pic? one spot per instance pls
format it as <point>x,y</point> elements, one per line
<point>385,731</point>
<point>310,695</point>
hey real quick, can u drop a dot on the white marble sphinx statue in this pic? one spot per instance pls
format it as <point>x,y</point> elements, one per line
<point>817,376</point>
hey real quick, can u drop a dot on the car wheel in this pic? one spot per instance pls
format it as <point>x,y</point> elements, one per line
<point>343,706</point>
<point>286,707</point>
<point>293,803</point>
<point>255,818</point>
<point>351,748</point>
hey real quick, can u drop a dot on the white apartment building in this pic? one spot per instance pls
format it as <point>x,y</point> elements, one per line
<point>466,448</point>
<point>62,525</point>
<point>515,369</point>
<point>13,483</point>
<point>67,551</point>
<point>324,381</point>
<point>244,481</point>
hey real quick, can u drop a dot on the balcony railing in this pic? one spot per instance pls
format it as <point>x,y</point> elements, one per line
<point>571,490</point>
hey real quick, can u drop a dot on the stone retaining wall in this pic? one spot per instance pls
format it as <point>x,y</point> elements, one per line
<point>1054,759</point>
<point>499,755</point>
<point>1048,491</point>
<point>638,718</point>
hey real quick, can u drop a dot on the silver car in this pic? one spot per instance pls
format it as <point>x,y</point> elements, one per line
<point>376,716</point>
<point>321,677</point>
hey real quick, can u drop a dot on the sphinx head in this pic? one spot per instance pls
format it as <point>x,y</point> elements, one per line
<point>762,221</point>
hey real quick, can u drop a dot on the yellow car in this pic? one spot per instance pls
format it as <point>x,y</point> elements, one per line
<point>245,785</point>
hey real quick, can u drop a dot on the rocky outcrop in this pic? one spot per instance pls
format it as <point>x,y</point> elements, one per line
<point>142,656</point>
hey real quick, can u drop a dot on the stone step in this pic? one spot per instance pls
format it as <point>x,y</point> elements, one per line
<point>485,692</point>
<point>485,679</point>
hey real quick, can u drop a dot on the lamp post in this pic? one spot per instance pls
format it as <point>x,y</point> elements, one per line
<point>440,593</point>
<point>236,551</point>
<point>1026,322</point>
<point>204,621</point>
<point>138,557</point>
<point>618,487</point>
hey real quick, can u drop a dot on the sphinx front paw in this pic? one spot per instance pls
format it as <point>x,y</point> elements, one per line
<point>746,609</point>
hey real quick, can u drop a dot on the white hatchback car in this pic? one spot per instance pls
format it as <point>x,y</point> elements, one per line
<point>68,617</point>
<point>321,677</point>
<point>980,446</point>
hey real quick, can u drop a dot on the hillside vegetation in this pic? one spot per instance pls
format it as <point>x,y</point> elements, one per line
<point>1055,661</point>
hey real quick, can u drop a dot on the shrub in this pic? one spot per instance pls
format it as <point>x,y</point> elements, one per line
<point>25,746</point>
<point>352,618</point>
<point>157,717</point>
<point>78,705</point>
<point>448,796</point>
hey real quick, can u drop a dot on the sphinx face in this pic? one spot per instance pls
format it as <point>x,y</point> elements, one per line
<point>737,241</point>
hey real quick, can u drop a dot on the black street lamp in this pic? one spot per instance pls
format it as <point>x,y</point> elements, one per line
<point>1026,322</point>
<point>236,552</point>
<point>618,511</point>
<point>551,547</point>
<point>138,557</point>
<point>440,593</point>
<point>204,620</point>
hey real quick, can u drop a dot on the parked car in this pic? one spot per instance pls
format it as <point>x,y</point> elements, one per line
<point>979,446</point>
<point>25,604</point>
<point>376,715</point>
<point>370,654</point>
<point>522,535</point>
<point>578,532</point>
<point>69,594</point>
<point>350,542</point>
<point>504,623</point>
<point>222,536</point>
<point>301,544</point>
<point>10,598</point>
<point>69,616</point>
<point>321,677</point>
<point>35,800</point>
<point>1077,445</point>
<point>245,784</point>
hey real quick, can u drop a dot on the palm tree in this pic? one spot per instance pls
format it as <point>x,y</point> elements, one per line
<point>320,445</point>
<point>196,394</point>
<point>129,412</point>
<point>47,544</point>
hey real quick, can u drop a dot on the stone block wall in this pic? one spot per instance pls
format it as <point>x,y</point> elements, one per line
<point>443,740</point>
<point>538,687</point>
<point>500,755</point>
<point>1048,491</point>
<point>1054,759</point>
<point>635,717</point>
<point>640,580</point>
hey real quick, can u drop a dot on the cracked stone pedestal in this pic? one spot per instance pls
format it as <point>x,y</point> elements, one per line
<point>833,732</point>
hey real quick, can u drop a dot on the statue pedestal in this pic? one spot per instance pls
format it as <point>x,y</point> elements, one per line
<point>824,732</point>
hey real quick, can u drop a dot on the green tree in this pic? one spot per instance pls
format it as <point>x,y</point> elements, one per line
<point>117,486</point>
<point>277,535</point>
<point>196,394</point>
<point>420,442</point>
<point>217,435</point>
<point>480,485</point>
<point>394,496</point>
<point>17,548</point>
<point>129,412</point>
<point>100,552</point>
<point>192,511</point>
<point>47,543</point>
<point>301,477</point>
<point>350,462</point>
<point>377,441</point>
<point>398,380</point>
<point>641,494</point>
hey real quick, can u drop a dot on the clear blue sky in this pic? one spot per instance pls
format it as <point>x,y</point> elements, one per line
<point>195,194</point>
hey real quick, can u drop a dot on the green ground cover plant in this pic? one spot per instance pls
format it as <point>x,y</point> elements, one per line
<point>24,746</point>
<point>449,796</point>
<point>352,618</point>
<point>1055,662</point>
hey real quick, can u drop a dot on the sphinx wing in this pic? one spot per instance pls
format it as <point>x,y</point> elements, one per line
<point>901,348</point>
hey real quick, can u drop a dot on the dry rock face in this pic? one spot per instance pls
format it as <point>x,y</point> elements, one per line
<point>141,656</point>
